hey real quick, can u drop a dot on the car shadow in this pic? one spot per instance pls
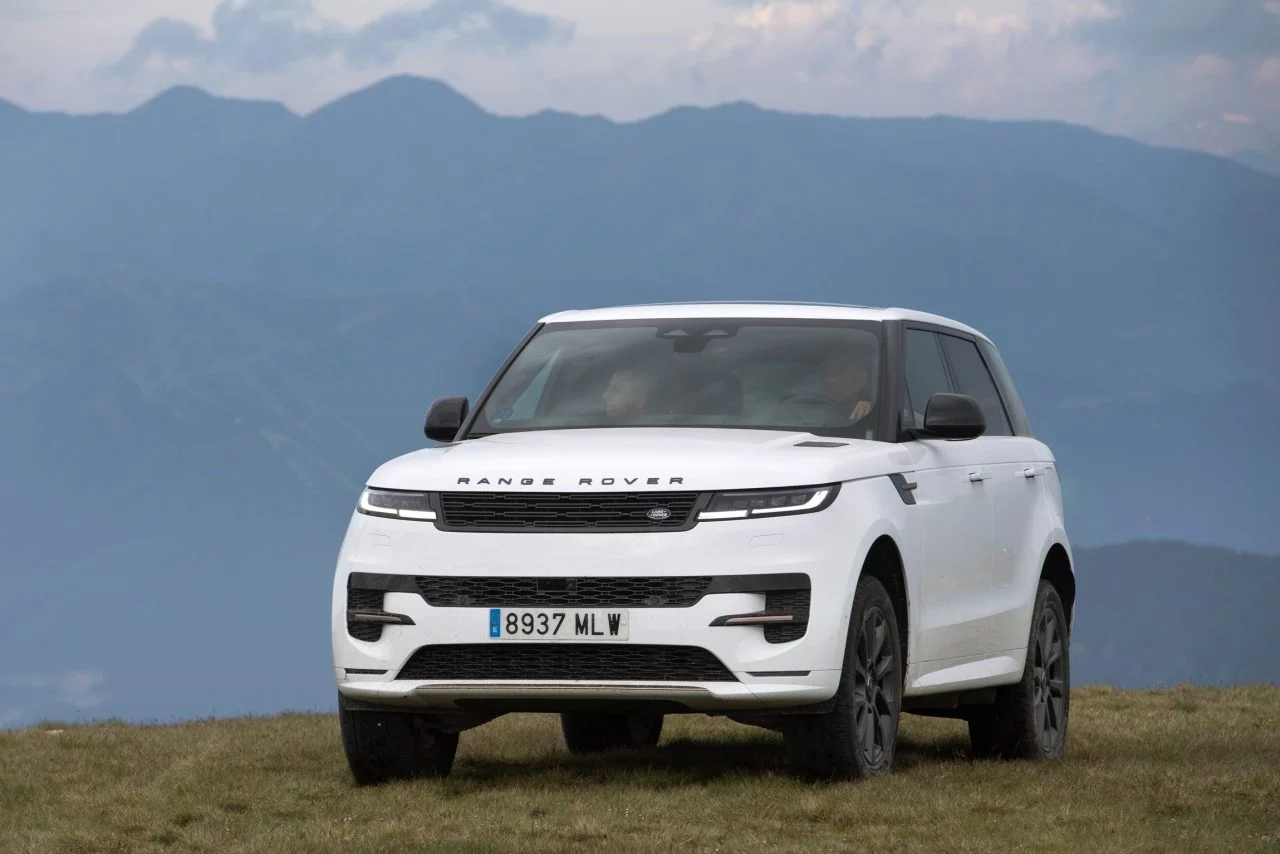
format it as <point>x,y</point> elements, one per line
<point>681,762</point>
<point>678,762</point>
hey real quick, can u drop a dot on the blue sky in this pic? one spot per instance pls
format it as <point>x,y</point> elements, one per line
<point>1200,73</point>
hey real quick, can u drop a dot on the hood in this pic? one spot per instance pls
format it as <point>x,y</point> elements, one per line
<point>639,459</point>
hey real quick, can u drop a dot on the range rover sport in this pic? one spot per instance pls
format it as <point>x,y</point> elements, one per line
<point>809,518</point>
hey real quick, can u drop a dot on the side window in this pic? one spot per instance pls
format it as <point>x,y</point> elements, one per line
<point>925,375</point>
<point>1004,382</point>
<point>973,379</point>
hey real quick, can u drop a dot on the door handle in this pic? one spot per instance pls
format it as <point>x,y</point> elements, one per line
<point>976,477</point>
<point>1032,472</point>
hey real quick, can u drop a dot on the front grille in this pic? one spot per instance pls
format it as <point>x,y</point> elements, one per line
<point>593,662</point>
<point>364,600</point>
<point>786,602</point>
<point>564,511</point>
<point>635,592</point>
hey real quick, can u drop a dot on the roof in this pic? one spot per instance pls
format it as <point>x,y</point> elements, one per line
<point>802,310</point>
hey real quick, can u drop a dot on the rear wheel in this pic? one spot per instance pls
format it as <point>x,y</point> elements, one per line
<point>1029,718</point>
<point>588,732</point>
<point>857,737</point>
<point>384,746</point>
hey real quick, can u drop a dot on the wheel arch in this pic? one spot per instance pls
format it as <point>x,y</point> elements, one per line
<point>875,530</point>
<point>1058,571</point>
<point>884,563</point>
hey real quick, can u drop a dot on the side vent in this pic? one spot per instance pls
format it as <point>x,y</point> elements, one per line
<point>368,601</point>
<point>791,602</point>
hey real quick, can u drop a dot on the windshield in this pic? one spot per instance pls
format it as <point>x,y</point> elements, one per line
<point>816,376</point>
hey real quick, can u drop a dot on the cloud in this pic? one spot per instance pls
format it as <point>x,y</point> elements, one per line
<point>259,36</point>
<point>164,37</point>
<point>1168,71</point>
<point>1199,74</point>
<point>1180,73</point>
<point>76,688</point>
<point>919,55</point>
<point>1185,29</point>
<point>1268,76</point>
<point>22,10</point>
<point>474,23</point>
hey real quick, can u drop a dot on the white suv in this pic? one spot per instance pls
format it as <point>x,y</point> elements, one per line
<point>804,517</point>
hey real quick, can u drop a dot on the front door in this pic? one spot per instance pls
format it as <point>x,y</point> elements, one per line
<point>951,520</point>
<point>1016,471</point>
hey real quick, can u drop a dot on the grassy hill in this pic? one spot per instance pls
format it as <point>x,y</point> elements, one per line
<point>1177,770</point>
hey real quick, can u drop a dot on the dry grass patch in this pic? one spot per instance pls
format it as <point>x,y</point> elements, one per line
<point>1177,770</point>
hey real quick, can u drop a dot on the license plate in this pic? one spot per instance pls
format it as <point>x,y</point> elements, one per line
<point>570,624</point>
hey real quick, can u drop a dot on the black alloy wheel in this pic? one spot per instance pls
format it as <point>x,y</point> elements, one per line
<point>1049,680</point>
<point>876,681</point>
<point>1028,719</point>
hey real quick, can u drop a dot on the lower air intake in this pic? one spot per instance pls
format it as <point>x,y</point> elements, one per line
<point>787,602</point>
<point>364,600</point>
<point>584,662</point>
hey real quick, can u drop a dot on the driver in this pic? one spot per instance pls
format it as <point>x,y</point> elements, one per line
<point>846,382</point>
<point>627,393</point>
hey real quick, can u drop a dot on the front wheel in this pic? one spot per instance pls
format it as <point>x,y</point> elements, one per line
<point>1029,718</point>
<point>586,732</point>
<point>857,737</point>
<point>384,746</point>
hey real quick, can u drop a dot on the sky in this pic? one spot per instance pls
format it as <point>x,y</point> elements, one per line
<point>1194,73</point>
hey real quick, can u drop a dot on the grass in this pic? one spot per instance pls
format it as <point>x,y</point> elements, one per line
<point>1177,770</point>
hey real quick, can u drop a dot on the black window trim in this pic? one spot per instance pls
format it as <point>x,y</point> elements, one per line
<point>946,362</point>
<point>938,329</point>
<point>955,382</point>
<point>904,394</point>
<point>1014,408</point>
<point>895,378</point>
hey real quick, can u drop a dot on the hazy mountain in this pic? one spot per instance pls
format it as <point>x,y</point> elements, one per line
<point>180,462</point>
<point>1161,613</point>
<point>407,185</point>
<point>1263,161</point>
<point>1131,288</point>
<point>216,317</point>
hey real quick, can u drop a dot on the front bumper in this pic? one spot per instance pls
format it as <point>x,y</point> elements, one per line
<point>822,546</point>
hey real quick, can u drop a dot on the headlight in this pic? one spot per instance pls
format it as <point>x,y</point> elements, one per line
<point>397,505</point>
<point>768,502</point>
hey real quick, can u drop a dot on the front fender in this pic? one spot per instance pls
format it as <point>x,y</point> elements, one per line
<point>873,508</point>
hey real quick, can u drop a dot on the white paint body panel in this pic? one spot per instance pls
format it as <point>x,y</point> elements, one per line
<point>972,550</point>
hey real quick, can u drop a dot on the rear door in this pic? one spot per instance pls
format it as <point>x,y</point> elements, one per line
<point>951,520</point>
<point>1015,470</point>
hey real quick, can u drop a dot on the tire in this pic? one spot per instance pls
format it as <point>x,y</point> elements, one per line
<point>586,732</point>
<point>1029,718</point>
<point>383,746</point>
<point>856,738</point>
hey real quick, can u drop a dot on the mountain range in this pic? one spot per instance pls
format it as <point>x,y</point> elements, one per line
<point>217,317</point>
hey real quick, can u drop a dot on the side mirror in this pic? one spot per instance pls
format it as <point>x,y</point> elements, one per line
<point>952,416</point>
<point>445,417</point>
